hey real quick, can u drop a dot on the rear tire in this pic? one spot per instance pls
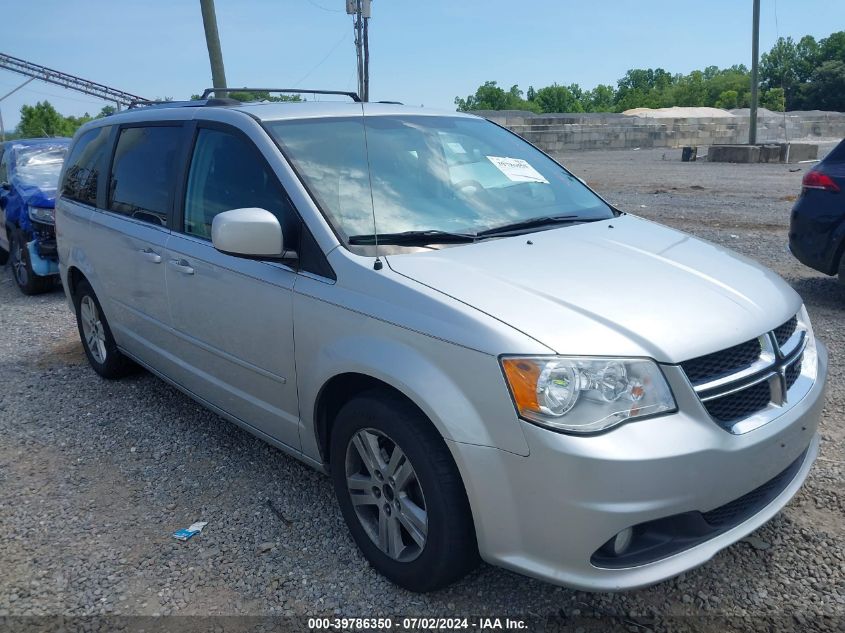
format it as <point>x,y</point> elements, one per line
<point>841,277</point>
<point>28,282</point>
<point>4,254</point>
<point>410,516</point>
<point>97,340</point>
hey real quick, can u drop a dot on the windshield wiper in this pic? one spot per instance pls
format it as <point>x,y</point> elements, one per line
<point>531,223</point>
<point>414,238</point>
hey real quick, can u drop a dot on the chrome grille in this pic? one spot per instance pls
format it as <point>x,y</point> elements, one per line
<point>737,383</point>
<point>785,331</point>
<point>792,372</point>
<point>740,404</point>
<point>728,361</point>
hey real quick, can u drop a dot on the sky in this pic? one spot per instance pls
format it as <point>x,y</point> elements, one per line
<point>422,53</point>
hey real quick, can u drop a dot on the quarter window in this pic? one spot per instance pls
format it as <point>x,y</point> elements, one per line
<point>82,175</point>
<point>226,173</point>
<point>144,172</point>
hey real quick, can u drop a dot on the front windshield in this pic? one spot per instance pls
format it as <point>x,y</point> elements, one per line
<point>429,173</point>
<point>39,166</point>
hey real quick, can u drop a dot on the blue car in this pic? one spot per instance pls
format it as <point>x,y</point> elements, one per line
<point>817,225</point>
<point>29,176</point>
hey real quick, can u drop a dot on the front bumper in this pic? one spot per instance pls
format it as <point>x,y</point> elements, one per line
<point>547,514</point>
<point>41,266</point>
<point>42,249</point>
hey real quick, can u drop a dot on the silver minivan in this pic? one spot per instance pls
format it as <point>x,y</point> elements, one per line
<point>488,359</point>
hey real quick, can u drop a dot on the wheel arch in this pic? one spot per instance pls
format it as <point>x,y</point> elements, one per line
<point>461,392</point>
<point>74,276</point>
<point>339,390</point>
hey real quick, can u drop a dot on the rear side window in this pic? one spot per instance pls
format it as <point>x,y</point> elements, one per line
<point>84,165</point>
<point>226,173</point>
<point>837,154</point>
<point>143,173</point>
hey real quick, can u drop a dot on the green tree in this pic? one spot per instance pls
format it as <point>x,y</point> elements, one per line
<point>42,119</point>
<point>690,90</point>
<point>602,98</point>
<point>728,100</point>
<point>773,99</point>
<point>734,79</point>
<point>826,91</point>
<point>794,75</point>
<point>556,98</point>
<point>789,65</point>
<point>490,96</point>
<point>643,88</point>
<point>831,48</point>
<point>246,97</point>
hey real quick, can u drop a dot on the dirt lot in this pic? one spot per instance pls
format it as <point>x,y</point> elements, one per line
<point>95,475</point>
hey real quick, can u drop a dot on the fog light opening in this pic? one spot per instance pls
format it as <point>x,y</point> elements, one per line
<point>621,541</point>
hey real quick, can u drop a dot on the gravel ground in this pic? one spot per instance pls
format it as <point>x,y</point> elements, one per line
<point>96,475</point>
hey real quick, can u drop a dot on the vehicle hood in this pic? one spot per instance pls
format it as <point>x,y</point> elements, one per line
<point>621,287</point>
<point>34,196</point>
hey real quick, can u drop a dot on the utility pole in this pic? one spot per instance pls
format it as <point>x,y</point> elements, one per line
<point>361,9</point>
<point>212,40</point>
<point>755,57</point>
<point>366,34</point>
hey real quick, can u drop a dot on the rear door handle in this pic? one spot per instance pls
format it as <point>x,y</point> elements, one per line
<point>151,256</point>
<point>182,266</point>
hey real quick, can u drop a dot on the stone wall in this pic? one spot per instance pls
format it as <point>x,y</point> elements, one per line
<point>560,132</point>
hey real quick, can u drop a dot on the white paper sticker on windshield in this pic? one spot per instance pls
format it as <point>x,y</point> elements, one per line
<point>517,169</point>
<point>457,148</point>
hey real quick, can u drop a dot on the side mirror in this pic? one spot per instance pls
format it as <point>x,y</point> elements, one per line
<point>248,232</point>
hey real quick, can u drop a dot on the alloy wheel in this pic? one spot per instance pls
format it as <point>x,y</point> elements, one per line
<point>19,262</point>
<point>92,328</point>
<point>386,495</point>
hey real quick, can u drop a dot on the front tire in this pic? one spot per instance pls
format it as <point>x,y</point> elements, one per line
<point>841,271</point>
<point>96,336</point>
<point>400,493</point>
<point>28,282</point>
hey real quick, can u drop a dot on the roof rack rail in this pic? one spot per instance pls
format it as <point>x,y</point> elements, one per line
<point>193,103</point>
<point>352,95</point>
<point>137,103</point>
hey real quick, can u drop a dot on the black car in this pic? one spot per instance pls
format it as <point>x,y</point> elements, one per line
<point>817,226</point>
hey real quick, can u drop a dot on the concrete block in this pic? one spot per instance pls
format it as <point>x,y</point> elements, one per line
<point>733,154</point>
<point>796,152</point>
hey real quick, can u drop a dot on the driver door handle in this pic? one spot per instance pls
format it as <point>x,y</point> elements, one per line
<point>182,265</point>
<point>150,255</point>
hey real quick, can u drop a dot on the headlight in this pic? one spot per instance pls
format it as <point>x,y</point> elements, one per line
<point>585,395</point>
<point>810,359</point>
<point>42,214</point>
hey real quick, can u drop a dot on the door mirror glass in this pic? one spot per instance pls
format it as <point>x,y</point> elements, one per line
<point>251,232</point>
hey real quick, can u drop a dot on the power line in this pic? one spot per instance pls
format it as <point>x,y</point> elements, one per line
<point>326,9</point>
<point>60,96</point>
<point>322,61</point>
